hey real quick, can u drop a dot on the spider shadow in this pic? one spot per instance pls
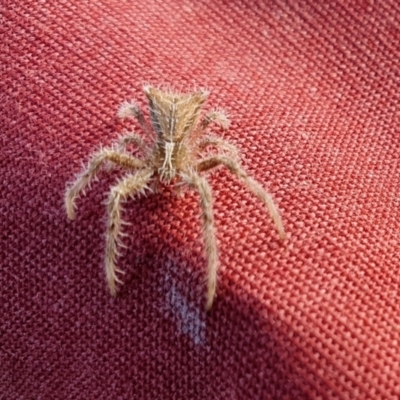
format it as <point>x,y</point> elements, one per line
<point>245,345</point>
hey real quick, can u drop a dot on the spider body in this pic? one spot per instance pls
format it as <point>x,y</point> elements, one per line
<point>171,150</point>
<point>173,117</point>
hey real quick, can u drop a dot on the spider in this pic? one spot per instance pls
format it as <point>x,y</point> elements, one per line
<point>171,154</point>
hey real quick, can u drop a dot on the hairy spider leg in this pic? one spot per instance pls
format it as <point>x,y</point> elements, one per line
<point>131,137</point>
<point>218,143</point>
<point>218,117</point>
<point>130,109</point>
<point>94,165</point>
<point>200,183</point>
<point>128,186</point>
<point>234,167</point>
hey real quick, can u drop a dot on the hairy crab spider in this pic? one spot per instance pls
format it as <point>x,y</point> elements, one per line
<point>171,154</point>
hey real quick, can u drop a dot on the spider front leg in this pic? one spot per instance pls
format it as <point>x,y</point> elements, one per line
<point>234,167</point>
<point>130,109</point>
<point>129,138</point>
<point>218,117</point>
<point>95,163</point>
<point>129,186</point>
<point>218,143</point>
<point>196,181</point>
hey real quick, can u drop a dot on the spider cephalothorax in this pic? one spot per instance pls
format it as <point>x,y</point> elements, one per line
<point>171,149</point>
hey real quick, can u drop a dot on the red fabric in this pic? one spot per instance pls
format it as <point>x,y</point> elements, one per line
<point>313,93</point>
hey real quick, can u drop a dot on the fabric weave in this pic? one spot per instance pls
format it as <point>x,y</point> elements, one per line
<point>312,89</point>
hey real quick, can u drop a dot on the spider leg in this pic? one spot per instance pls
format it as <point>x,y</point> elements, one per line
<point>218,117</point>
<point>95,163</point>
<point>130,109</point>
<point>234,167</point>
<point>129,138</point>
<point>220,144</point>
<point>198,182</point>
<point>129,186</point>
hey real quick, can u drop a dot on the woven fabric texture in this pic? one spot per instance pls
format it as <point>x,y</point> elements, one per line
<point>313,91</point>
